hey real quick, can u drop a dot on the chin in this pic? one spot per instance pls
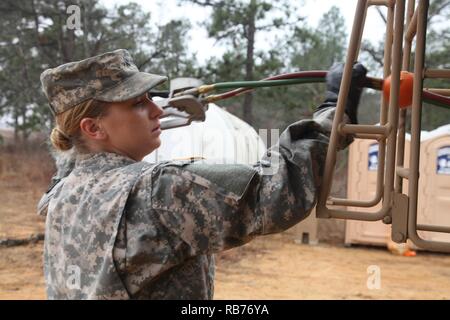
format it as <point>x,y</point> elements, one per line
<point>157,143</point>
<point>153,145</point>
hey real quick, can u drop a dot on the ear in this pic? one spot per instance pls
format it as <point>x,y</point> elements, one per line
<point>91,128</point>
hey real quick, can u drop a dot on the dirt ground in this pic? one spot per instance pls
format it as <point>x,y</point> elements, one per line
<point>20,266</point>
<point>275,268</point>
<point>271,267</point>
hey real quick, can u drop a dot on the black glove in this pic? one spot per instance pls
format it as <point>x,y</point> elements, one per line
<point>333,81</point>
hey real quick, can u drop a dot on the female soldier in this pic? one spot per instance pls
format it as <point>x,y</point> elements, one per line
<point>120,228</point>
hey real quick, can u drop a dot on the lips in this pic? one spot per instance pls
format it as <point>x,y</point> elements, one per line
<point>156,128</point>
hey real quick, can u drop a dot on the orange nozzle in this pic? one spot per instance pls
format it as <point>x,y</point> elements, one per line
<point>406,89</point>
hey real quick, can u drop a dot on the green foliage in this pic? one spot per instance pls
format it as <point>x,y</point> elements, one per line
<point>437,56</point>
<point>305,48</point>
<point>34,37</point>
<point>237,24</point>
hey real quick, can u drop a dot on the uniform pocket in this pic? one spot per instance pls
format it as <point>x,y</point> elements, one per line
<point>190,182</point>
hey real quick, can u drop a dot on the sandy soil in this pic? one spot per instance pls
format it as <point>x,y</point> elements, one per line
<point>21,274</point>
<point>18,218</point>
<point>276,268</point>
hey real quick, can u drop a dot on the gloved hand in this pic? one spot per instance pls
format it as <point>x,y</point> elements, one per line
<point>333,82</point>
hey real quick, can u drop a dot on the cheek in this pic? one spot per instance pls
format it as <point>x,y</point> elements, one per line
<point>118,126</point>
<point>130,127</point>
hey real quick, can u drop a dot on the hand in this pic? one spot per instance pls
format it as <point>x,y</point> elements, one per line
<point>333,82</point>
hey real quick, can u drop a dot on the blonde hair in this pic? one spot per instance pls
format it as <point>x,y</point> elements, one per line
<point>66,134</point>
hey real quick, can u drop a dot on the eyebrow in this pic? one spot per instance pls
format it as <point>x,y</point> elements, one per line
<point>138,99</point>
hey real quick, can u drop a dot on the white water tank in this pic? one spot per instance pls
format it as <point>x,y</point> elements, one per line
<point>222,138</point>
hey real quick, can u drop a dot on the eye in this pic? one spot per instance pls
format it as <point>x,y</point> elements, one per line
<point>142,102</point>
<point>139,104</point>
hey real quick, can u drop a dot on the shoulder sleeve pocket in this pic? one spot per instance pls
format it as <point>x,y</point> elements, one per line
<point>193,182</point>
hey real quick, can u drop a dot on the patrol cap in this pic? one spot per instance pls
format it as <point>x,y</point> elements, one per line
<point>109,77</point>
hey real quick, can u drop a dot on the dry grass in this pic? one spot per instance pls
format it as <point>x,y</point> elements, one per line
<point>21,272</point>
<point>25,166</point>
<point>25,172</point>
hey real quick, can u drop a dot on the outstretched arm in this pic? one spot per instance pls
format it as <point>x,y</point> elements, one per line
<point>202,208</point>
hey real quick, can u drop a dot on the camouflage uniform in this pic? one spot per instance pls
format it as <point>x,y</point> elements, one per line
<point>120,229</point>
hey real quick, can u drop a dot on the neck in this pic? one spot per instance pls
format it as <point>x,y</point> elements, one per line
<point>97,148</point>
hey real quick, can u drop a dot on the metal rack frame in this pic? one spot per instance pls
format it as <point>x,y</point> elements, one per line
<point>397,208</point>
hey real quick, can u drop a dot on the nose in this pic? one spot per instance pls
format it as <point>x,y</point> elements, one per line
<point>155,111</point>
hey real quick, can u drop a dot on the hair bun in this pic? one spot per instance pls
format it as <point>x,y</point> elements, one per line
<point>60,140</point>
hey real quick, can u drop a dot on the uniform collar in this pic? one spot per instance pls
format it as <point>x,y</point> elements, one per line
<point>102,161</point>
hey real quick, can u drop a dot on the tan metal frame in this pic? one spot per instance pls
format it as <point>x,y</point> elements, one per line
<point>397,209</point>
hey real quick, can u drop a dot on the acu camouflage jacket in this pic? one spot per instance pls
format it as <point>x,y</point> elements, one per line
<point>120,229</point>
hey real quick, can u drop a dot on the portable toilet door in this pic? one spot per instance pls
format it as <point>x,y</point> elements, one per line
<point>434,183</point>
<point>433,206</point>
<point>361,185</point>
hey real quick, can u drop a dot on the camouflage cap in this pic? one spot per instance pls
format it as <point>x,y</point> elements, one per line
<point>110,77</point>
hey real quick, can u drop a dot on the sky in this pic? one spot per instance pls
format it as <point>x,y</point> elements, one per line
<point>312,10</point>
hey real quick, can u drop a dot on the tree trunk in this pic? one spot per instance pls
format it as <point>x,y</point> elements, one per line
<point>16,128</point>
<point>250,62</point>
<point>85,30</point>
